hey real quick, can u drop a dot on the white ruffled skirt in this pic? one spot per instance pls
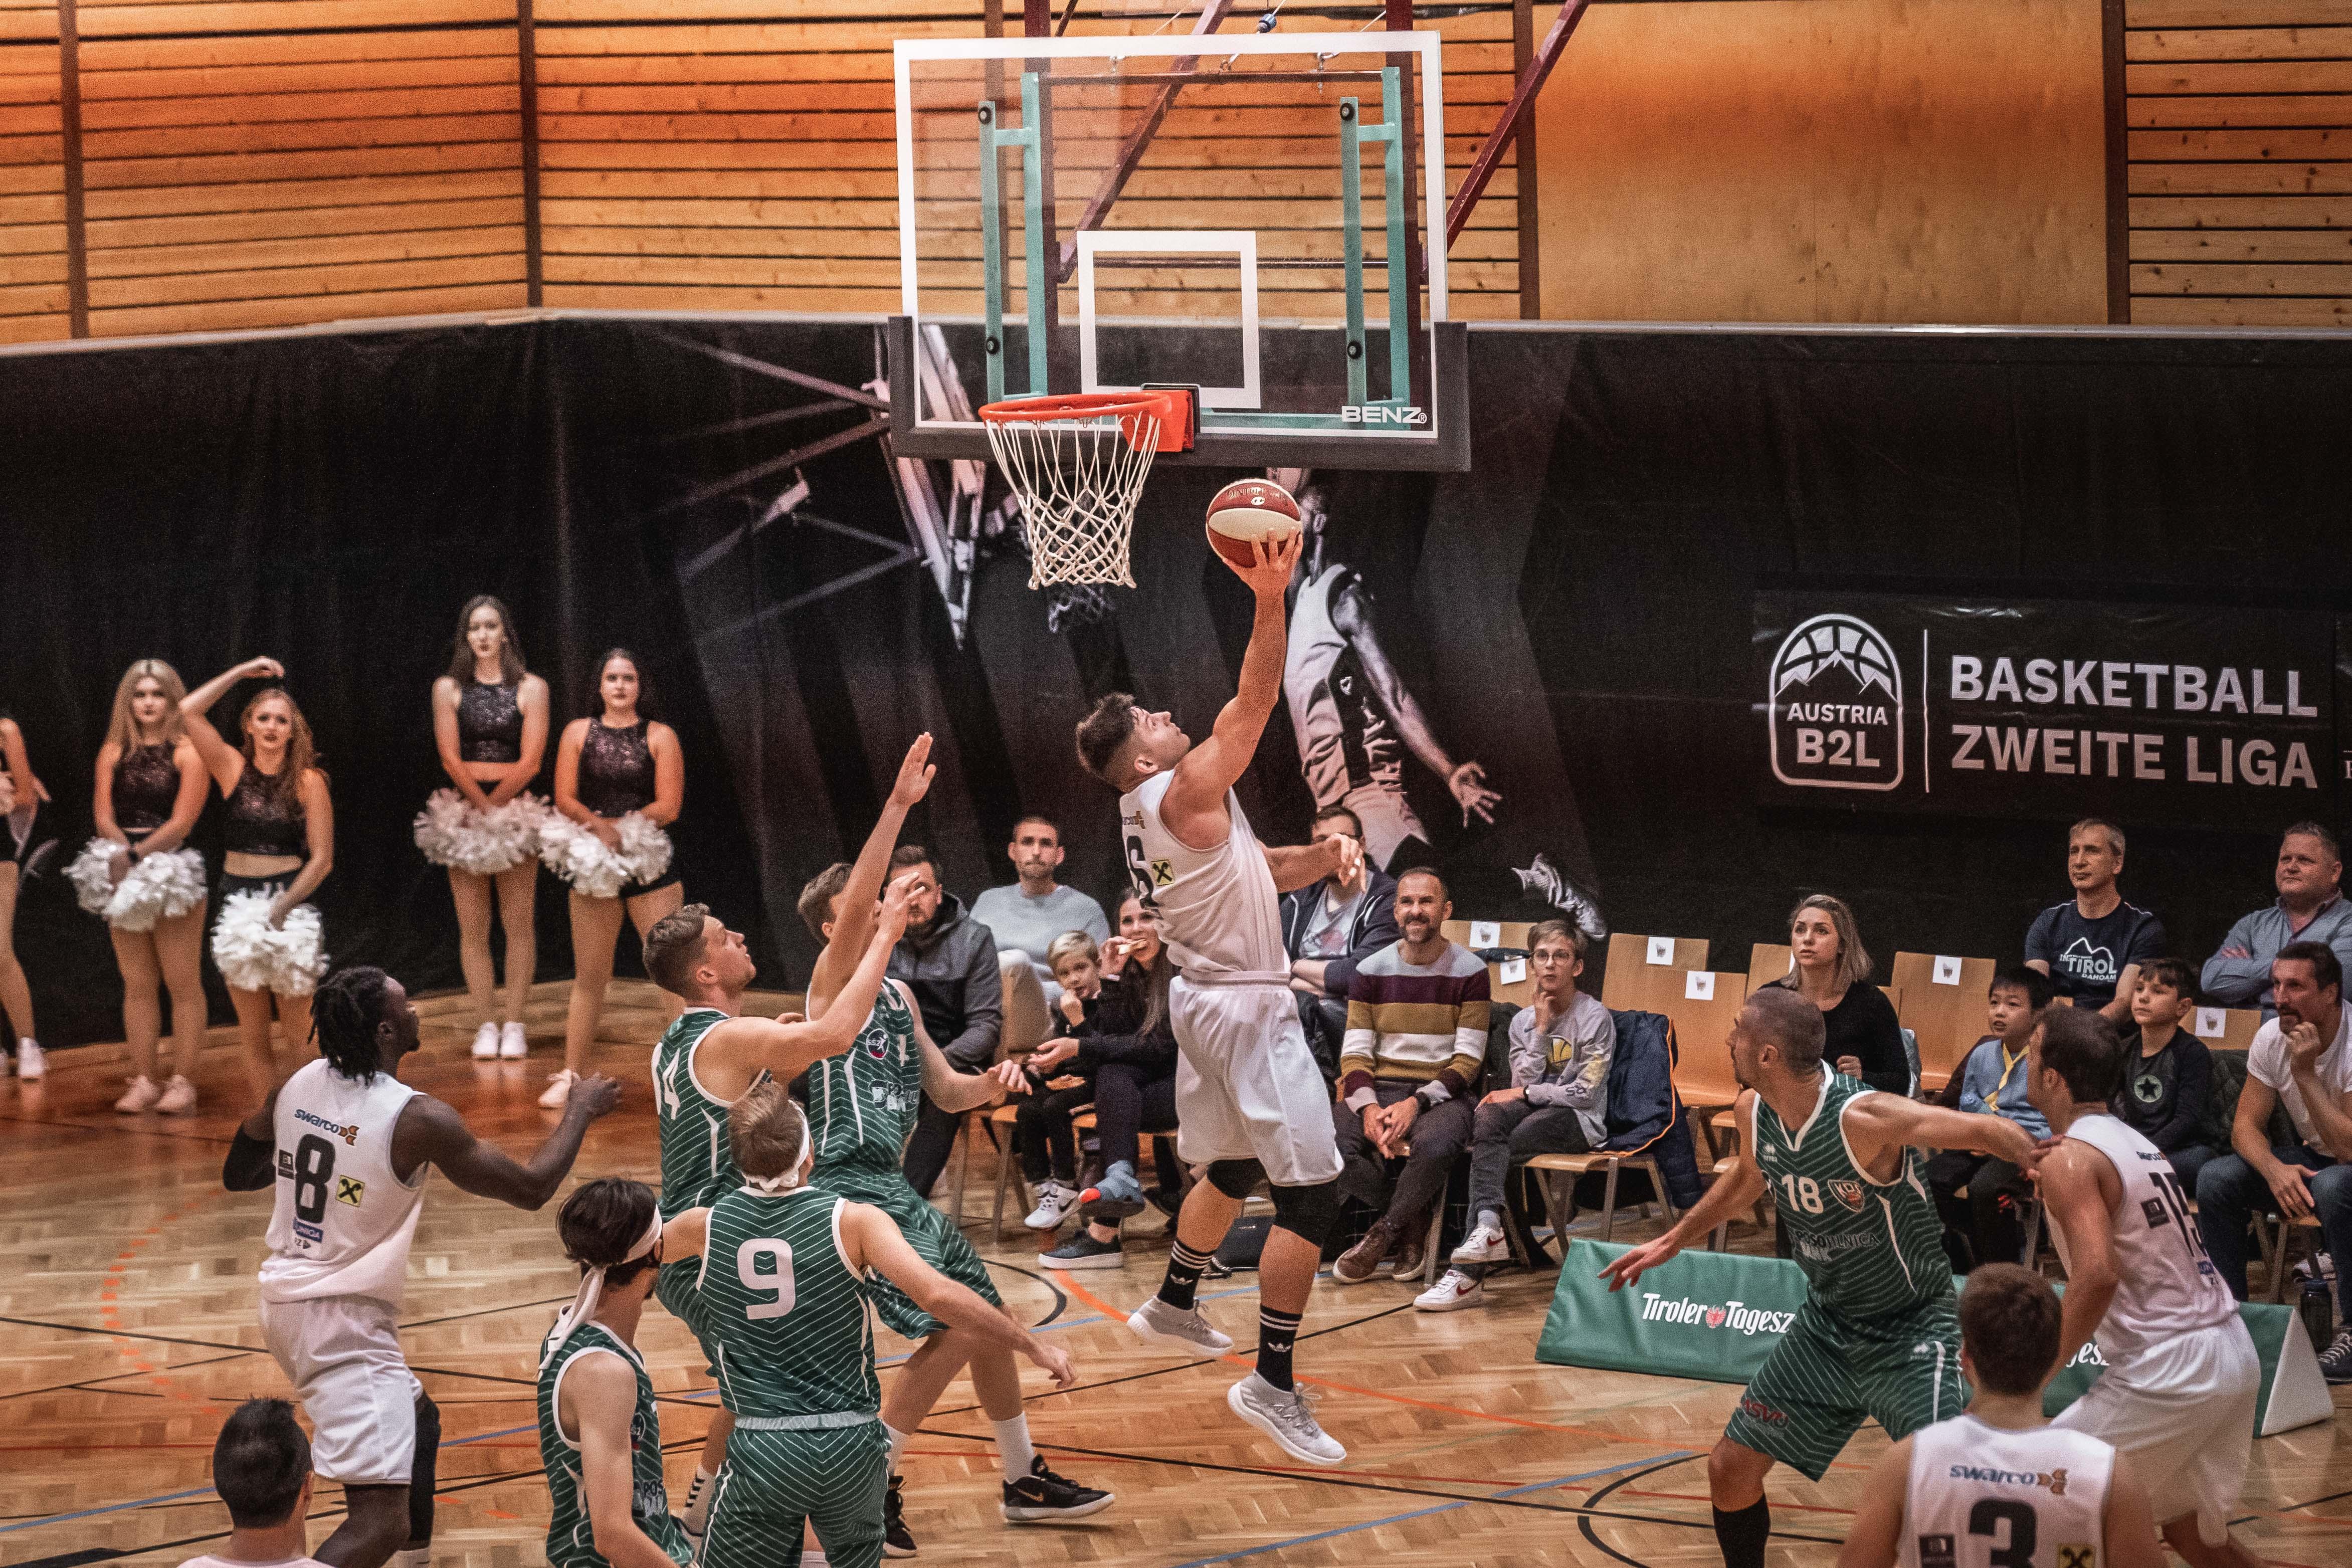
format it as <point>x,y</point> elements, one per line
<point>452,831</point>
<point>581,858</point>
<point>159,888</point>
<point>253,955</point>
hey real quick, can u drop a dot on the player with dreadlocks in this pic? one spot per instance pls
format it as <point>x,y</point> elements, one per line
<point>346,1144</point>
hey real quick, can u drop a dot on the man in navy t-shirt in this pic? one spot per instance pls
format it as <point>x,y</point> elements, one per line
<point>2093,945</point>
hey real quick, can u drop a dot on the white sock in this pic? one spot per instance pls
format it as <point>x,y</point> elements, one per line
<point>897,1443</point>
<point>1489,1217</point>
<point>695,1516</point>
<point>1012,1447</point>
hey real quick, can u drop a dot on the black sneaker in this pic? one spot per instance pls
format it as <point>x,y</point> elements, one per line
<point>1041,1495</point>
<point>897,1540</point>
<point>1083,1251</point>
<point>2336,1361</point>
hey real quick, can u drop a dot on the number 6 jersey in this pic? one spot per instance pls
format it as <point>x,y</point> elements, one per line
<point>1992,1497</point>
<point>341,1221</point>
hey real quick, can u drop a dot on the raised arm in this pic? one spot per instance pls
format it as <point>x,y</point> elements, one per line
<point>223,760</point>
<point>872,1241</point>
<point>430,1132</point>
<point>1737,1189</point>
<point>950,1089</point>
<point>866,875</point>
<point>1352,618</point>
<point>669,775</point>
<point>1298,866</point>
<point>531,698</point>
<point>600,1396</point>
<point>2076,1183</point>
<point>785,1050</point>
<point>1197,793</point>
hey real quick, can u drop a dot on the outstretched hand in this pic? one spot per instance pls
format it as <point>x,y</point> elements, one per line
<point>1053,1360</point>
<point>1468,784</point>
<point>1274,559</point>
<point>1634,1261</point>
<point>914,772</point>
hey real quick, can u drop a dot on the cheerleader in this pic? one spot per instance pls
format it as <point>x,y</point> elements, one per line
<point>489,724</point>
<point>619,782</point>
<point>20,796</point>
<point>148,887</point>
<point>280,844</point>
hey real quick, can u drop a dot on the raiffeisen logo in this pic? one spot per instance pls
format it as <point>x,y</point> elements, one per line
<point>1740,1318</point>
<point>1835,707</point>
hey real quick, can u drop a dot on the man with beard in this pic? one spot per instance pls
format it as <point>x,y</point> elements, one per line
<point>948,960</point>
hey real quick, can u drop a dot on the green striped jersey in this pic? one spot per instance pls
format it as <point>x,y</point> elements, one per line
<point>571,1537</point>
<point>780,1312</point>
<point>1868,1248</point>
<point>697,1158</point>
<point>863,1100</point>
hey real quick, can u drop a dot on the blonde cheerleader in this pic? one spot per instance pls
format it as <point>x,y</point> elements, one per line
<point>20,797</point>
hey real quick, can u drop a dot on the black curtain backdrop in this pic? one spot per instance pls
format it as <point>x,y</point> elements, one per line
<point>1575,614</point>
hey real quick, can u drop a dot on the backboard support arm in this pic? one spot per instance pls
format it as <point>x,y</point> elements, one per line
<point>1498,140</point>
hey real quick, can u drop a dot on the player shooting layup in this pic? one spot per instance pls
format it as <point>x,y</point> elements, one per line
<point>1250,1103</point>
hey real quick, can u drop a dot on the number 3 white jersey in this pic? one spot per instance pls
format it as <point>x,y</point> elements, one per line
<point>1982,1497</point>
<point>2165,1285</point>
<point>1218,912</point>
<point>342,1221</point>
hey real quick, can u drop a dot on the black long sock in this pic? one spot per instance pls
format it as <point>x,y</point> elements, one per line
<point>1183,1280</point>
<point>1742,1534</point>
<point>1278,1336</point>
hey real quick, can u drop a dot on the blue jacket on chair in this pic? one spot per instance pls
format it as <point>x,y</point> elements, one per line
<point>1644,1109</point>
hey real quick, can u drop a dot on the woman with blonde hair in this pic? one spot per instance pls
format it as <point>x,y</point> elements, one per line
<point>149,889</point>
<point>20,797</point>
<point>1831,969</point>
<point>489,726</point>
<point>280,845</point>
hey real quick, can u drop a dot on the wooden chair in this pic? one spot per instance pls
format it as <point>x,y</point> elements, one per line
<point>2276,1238</point>
<point>2225,1028</point>
<point>1768,962</point>
<point>1008,1156</point>
<point>1503,934</point>
<point>1949,1016</point>
<point>1702,1066</point>
<point>1631,982</point>
<point>1552,1166</point>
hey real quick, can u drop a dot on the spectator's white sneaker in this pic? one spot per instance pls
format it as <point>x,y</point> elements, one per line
<point>142,1095</point>
<point>179,1097</point>
<point>1286,1415</point>
<point>1485,1244</point>
<point>486,1042</point>
<point>514,1042</point>
<point>1054,1202</point>
<point>558,1091</point>
<point>1452,1293</point>
<point>1163,1324</point>
<point>30,1062</point>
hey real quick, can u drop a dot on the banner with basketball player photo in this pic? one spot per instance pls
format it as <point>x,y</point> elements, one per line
<point>1715,1316</point>
<point>2191,716</point>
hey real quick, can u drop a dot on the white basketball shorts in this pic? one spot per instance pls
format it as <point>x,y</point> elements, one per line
<point>344,1354</point>
<point>2184,1412</point>
<point>1246,1084</point>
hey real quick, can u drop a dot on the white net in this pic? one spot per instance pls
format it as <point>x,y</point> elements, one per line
<point>1078,479</point>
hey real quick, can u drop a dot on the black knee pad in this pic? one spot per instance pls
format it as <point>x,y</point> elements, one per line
<point>421,1470</point>
<point>1235,1178</point>
<point>1307,1213</point>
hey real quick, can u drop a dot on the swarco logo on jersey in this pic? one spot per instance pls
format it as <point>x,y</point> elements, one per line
<point>1834,706</point>
<point>1739,1316</point>
<point>350,1136</point>
<point>2054,1481</point>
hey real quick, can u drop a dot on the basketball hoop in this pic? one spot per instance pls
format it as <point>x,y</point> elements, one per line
<point>1078,464</point>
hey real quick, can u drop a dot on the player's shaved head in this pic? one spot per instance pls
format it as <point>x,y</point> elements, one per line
<point>1778,1015</point>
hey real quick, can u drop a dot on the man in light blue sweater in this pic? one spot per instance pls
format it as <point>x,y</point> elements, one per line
<point>1025,917</point>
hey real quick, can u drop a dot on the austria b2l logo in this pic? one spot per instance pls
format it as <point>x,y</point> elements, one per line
<point>1835,714</point>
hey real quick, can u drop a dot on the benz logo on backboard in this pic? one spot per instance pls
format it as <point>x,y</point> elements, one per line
<point>1837,707</point>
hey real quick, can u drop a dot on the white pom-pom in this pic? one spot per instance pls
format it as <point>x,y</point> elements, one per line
<point>452,832</point>
<point>254,955</point>
<point>160,888</point>
<point>92,876</point>
<point>582,858</point>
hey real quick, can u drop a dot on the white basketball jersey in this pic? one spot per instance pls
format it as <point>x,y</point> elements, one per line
<point>342,1221</point>
<point>2165,1285</point>
<point>1218,912</point>
<point>1984,1497</point>
<point>1346,739</point>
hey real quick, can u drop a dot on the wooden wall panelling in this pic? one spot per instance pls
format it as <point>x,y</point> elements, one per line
<point>34,297</point>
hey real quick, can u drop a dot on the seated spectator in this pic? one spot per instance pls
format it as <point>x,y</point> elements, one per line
<point>1026,916</point>
<point>1040,1123</point>
<point>1831,969</point>
<point>2091,945</point>
<point>2168,1083</point>
<point>261,1467</point>
<point>948,961</point>
<point>2300,1056</point>
<point>1557,1104</point>
<point>1982,1227</point>
<point>1330,928</point>
<point>2310,907</point>
<point>1416,1046</point>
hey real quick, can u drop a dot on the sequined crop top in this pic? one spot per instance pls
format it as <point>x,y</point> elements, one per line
<point>261,822</point>
<point>146,787</point>
<point>616,768</point>
<point>489,723</point>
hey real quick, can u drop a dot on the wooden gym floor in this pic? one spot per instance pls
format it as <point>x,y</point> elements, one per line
<point>128,1328</point>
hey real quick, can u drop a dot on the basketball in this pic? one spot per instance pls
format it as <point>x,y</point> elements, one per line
<point>1245,511</point>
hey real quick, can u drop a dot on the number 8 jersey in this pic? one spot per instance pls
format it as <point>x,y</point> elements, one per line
<point>343,1222</point>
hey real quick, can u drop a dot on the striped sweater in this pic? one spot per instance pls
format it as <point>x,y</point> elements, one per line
<point>1419,1023</point>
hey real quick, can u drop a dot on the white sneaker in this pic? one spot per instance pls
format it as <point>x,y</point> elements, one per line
<point>179,1097</point>
<point>1288,1417</point>
<point>1162,1324</point>
<point>486,1042</point>
<point>514,1043</point>
<point>558,1091</point>
<point>142,1095</point>
<point>1054,1201</point>
<point>1452,1293</point>
<point>1485,1244</point>
<point>30,1062</point>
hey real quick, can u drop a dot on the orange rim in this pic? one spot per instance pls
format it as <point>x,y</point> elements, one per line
<point>1071,406</point>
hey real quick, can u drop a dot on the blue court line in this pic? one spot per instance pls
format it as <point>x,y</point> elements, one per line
<point>1425,1512</point>
<point>106,1508</point>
